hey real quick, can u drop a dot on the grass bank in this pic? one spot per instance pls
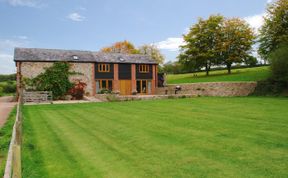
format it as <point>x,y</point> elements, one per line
<point>237,75</point>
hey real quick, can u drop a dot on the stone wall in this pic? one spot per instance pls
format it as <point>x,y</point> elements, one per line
<point>32,69</point>
<point>212,89</point>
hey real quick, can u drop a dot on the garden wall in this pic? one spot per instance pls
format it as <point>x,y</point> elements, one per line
<point>211,89</point>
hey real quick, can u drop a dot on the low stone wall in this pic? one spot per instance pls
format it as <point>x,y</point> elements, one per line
<point>211,89</point>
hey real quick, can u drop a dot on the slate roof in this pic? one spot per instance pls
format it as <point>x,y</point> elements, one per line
<point>54,55</point>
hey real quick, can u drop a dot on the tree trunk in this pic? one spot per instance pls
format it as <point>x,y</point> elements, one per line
<point>229,68</point>
<point>207,68</point>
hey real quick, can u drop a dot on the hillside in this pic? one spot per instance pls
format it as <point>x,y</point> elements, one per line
<point>247,74</point>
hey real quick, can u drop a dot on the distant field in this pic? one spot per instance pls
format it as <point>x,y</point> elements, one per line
<point>7,88</point>
<point>198,137</point>
<point>247,74</point>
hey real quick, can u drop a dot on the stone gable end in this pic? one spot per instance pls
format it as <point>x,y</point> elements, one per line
<point>32,69</point>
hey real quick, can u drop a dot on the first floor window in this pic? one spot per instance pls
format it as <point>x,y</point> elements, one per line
<point>144,68</point>
<point>103,85</point>
<point>103,67</point>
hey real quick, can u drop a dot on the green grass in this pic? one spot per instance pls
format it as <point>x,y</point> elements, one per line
<point>247,74</point>
<point>5,137</point>
<point>198,137</point>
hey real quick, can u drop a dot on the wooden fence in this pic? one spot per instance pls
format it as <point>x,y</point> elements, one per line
<point>13,162</point>
<point>37,96</point>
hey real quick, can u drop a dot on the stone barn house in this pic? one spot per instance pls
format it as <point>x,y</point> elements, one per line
<point>125,74</point>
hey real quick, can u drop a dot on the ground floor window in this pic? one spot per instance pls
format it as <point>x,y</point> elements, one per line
<point>144,86</point>
<point>103,85</point>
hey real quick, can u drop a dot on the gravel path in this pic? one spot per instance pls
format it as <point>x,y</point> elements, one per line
<point>6,105</point>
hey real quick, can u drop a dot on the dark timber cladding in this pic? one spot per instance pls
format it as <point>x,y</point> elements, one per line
<point>104,75</point>
<point>124,71</point>
<point>140,75</point>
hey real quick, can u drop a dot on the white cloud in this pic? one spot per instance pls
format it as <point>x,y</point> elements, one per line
<point>7,65</point>
<point>171,44</point>
<point>27,3</point>
<point>269,1</point>
<point>76,17</point>
<point>255,21</point>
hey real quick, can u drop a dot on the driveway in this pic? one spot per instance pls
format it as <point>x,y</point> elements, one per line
<point>6,105</point>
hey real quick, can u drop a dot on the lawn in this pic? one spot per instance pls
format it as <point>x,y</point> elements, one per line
<point>5,137</point>
<point>198,137</point>
<point>247,74</point>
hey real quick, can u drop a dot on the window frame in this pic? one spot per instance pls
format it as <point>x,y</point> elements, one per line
<point>107,84</point>
<point>103,67</point>
<point>144,68</point>
<point>141,84</point>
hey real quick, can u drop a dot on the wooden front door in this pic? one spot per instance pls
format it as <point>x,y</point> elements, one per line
<point>125,87</point>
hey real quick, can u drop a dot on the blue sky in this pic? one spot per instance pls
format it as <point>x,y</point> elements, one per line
<point>93,24</point>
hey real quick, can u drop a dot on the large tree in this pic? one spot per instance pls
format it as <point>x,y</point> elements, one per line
<point>274,32</point>
<point>124,47</point>
<point>216,41</point>
<point>235,41</point>
<point>152,51</point>
<point>200,49</point>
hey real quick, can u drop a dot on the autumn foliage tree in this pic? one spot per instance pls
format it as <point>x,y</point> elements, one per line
<point>235,42</point>
<point>124,47</point>
<point>152,51</point>
<point>200,49</point>
<point>127,47</point>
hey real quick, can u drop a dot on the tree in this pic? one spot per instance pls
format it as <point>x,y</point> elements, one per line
<point>200,49</point>
<point>152,51</point>
<point>279,63</point>
<point>235,42</point>
<point>173,68</point>
<point>275,29</point>
<point>250,61</point>
<point>124,47</point>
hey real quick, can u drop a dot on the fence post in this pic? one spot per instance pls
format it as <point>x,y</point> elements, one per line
<point>16,161</point>
<point>13,162</point>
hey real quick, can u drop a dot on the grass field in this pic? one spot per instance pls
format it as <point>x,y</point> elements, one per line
<point>247,74</point>
<point>198,137</point>
<point>5,137</point>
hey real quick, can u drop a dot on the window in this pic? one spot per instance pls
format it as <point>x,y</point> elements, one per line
<point>103,67</point>
<point>141,86</point>
<point>143,68</point>
<point>103,84</point>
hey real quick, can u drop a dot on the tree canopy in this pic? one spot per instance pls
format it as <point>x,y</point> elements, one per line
<point>152,51</point>
<point>274,32</point>
<point>200,49</point>
<point>124,47</point>
<point>217,41</point>
<point>127,47</point>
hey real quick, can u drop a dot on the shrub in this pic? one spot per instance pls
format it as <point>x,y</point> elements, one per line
<point>1,91</point>
<point>277,84</point>
<point>279,63</point>
<point>77,91</point>
<point>105,91</point>
<point>55,79</point>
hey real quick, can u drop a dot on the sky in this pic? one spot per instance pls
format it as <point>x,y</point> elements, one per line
<point>93,24</point>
